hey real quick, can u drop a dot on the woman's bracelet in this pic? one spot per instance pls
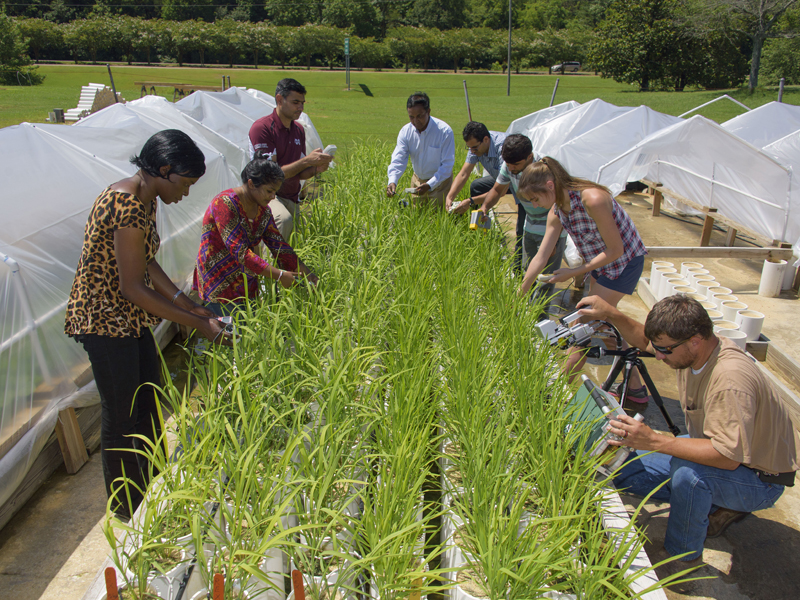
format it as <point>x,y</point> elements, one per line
<point>279,276</point>
<point>175,297</point>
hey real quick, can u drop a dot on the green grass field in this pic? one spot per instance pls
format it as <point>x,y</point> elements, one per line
<point>375,105</point>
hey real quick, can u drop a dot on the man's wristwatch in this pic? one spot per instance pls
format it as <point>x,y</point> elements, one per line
<point>472,203</point>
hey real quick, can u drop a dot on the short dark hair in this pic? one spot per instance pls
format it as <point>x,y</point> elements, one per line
<point>679,317</point>
<point>476,131</point>
<point>262,170</point>
<point>419,99</point>
<point>287,86</point>
<point>174,148</point>
<point>517,147</point>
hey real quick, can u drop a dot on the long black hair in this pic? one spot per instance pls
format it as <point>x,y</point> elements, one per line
<point>262,169</point>
<point>174,148</point>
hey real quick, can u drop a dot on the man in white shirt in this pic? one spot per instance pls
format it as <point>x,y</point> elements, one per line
<point>430,144</point>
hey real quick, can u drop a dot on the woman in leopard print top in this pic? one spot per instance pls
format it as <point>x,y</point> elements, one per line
<point>120,291</point>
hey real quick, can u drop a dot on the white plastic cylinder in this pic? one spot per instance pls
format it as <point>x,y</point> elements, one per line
<point>693,272</point>
<point>705,287</point>
<point>699,297</point>
<point>739,337</point>
<point>665,286</point>
<point>771,278</point>
<point>685,266</point>
<point>672,284</point>
<point>724,324</point>
<point>714,314</point>
<point>696,279</point>
<point>750,322</point>
<point>718,299</point>
<point>683,289</point>
<point>731,308</point>
<point>788,274</point>
<point>658,279</point>
<point>716,290</point>
<point>656,264</point>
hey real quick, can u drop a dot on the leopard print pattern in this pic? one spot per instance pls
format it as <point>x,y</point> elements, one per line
<point>95,303</point>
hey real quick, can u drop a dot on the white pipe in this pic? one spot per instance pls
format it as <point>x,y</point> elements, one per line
<point>771,278</point>
<point>724,96</point>
<point>750,322</point>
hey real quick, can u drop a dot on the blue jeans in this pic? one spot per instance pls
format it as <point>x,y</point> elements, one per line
<point>693,491</point>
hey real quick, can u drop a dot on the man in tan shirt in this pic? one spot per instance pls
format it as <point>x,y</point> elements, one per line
<point>742,447</point>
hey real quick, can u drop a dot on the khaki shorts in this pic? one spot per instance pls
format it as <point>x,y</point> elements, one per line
<point>285,212</point>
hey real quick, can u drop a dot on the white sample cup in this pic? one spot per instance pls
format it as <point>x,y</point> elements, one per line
<point>740,337</point>
<point>658,279</point>
<point>718,299</point>
<point>750,322</point>
<point>731,308</point>
<point>685,266</point>
<point>714,315</point>
<point>723,324</point>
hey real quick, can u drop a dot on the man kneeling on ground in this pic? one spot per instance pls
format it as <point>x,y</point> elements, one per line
<point>742,447</point>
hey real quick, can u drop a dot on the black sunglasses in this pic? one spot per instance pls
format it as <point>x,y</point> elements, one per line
<point>670,348</point>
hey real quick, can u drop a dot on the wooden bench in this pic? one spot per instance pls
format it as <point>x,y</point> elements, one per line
<point>711,216</point>
<point>179,89</point>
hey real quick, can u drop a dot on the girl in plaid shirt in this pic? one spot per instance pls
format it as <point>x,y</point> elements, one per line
<point>607,239</point>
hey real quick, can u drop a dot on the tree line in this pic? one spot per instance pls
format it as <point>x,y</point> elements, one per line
<point>657,44</point>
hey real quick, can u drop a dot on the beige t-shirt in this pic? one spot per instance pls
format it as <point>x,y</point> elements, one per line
<point>731,403</point>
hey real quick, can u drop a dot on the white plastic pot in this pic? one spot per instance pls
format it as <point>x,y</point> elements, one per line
<point>665,286</point>
<point>740,337</point>
<point>771,278</point>
<point>750,322</point>
<point>718,299</point>
<point>658,279</point>
<point>723,324</point>
<point>731,309</point>
<point>714,315</point>
<point>705,287</point>
<point>655,265</point>
<point>685,266</point>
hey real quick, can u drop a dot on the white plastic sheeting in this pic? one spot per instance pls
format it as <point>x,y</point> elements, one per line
<point>700,160</point>
<point>787,152</point>
<point>51,176</point>
<point>765,124</point>
<point>584,154</point>
<point>526,124</point>
<point>232,112</point>
<point>548,137</point>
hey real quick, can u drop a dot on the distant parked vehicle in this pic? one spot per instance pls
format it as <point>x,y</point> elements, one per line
<point>566,67</point>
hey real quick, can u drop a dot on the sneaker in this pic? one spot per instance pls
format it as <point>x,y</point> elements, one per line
<point>721,519</point>
<point>639,395</point>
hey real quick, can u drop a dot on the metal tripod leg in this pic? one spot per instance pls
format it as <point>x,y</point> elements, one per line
<point>651,387</point>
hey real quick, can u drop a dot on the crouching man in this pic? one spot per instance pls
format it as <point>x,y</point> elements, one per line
<point>742,448</point>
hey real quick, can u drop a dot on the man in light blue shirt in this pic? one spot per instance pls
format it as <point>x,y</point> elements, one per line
<point>430,144</point>
<point>484,148</point>
<point>517,154</point>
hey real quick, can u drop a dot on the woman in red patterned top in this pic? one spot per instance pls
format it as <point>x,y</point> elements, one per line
<point>607,239</point>
<point>235,223</point>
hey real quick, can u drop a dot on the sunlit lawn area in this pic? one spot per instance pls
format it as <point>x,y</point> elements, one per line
<point>375,105</point>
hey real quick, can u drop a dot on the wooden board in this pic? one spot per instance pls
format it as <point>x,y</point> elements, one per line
<point>770,252</point>
<point>49,460</point>
<point>787,396</point>
<point>784,364</point>
<point>70,440</point>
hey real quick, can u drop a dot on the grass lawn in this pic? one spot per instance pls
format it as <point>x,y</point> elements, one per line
<point>375,105</point>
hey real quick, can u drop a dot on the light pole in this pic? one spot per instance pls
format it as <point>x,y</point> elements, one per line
<point>508,91</point>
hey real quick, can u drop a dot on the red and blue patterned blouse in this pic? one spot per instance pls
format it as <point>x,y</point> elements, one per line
<point>227,259</point>
<point>590,243</point>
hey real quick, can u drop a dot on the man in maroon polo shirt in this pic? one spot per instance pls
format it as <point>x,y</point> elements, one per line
<point>281,136</point>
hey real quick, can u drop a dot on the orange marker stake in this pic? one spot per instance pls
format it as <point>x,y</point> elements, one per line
<point>219,587</point>
<point>112,593</point>
<point>297,585</point>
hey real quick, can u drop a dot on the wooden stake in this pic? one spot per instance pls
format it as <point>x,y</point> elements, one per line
<point>219,587</point>
<point>112,593</point>
<point>708,226</point>
<point>297,585</point>
<point>71,441</point>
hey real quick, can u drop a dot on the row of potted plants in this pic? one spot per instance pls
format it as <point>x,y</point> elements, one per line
<point>392,432</point>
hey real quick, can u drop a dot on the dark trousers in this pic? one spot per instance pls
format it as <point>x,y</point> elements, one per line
<point>482,186</point>
<point>121,365</point>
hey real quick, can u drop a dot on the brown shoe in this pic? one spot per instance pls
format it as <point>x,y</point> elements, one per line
<point>720,520</point>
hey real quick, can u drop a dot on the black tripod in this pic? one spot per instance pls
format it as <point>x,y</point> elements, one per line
<point>627,360</point>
